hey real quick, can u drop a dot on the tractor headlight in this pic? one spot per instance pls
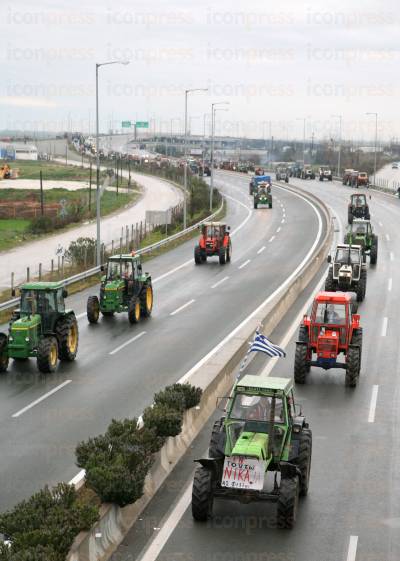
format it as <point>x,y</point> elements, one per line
<point>27,339</point>
<point>10,338</point>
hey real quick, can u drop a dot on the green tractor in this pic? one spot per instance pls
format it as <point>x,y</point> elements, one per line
<point>263,433</point>
<point>360,232</point>
<point>262,195</point>
<point>124,288</point>
<point>41,328</point>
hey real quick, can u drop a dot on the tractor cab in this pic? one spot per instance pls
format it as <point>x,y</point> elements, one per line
<point>358,207</point>
<point>360,232</point>
<point>214,240</point>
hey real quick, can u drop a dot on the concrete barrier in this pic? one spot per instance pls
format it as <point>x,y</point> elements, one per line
<point>216,377</point>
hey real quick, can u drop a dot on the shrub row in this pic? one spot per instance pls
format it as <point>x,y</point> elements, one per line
<point>118,461</point>
<point>43,527</point>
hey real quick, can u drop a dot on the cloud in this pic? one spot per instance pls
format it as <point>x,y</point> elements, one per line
<point>27,102</point>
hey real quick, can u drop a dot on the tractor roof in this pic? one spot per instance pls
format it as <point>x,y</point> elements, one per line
<point>214,224</point>
<point>334,297</point>
<point>264,383</point>
<point>42,285</point>
<point>356,195</point>
<point>347,246</point>
<point>124,257</point>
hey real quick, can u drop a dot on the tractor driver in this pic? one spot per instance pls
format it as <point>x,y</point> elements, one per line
<point>331,315</point>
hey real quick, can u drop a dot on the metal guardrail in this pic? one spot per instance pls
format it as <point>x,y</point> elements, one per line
<point>148,249</point>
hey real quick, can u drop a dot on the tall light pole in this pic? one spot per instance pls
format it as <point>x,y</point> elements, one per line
<point>98,240</point>
<point>376,142</point>
<point>214,109</point>
<point>185,153</point>
<point>304,136</point>
<point>204,136</point>
<point>340,141</point>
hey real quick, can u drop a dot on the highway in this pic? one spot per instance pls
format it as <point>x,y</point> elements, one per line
<point>119,367</point>
<point>352,510</point>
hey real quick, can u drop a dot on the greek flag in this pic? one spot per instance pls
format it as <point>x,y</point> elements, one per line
<point>262,344</point>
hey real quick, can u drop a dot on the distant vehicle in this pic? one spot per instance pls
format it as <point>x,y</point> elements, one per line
<point>346,176</point>
<point>395,165</point>
<point>282,175</point>
<point>307,173</point>
<point>325,173</point>
<point>256,180</point>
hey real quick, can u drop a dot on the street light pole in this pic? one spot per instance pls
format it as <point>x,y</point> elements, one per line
<point>98,215</point>
<point>185,155</point>
<point>214,109</point>
<point>340,141</point>
<point>376,142</point>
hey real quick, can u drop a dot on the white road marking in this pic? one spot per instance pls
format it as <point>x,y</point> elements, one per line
<point>352,551</point>
<point>278,230</point>
<point>128,342</point>
<point>182,307</point>
<point>391,256</point>
<point>261,250</point>
<point>220,282</point>
<point>387,237</point>
<point>160,539</point>
<point>186,377</point>
<point>271,239</point>
<point>380,224</point>
<point>384,326</point>
<point>390,283</point>
<point>79,316</point>
<point>282,221</point>
<point>40,399</point>
<point>244,264</point>
<point>372,406</point>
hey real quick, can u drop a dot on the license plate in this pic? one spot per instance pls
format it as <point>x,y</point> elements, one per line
<point>243,473</point>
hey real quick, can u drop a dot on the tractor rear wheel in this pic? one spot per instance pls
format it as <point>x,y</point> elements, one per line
<point>203,255</point>
<point>301,366</point>
<point>68,337</point>
<point>93,309</point>
<point>353,366</point>
<point>350,217</point>
<point>255,204</point>
<point>357,338</point>
<point>202,494</point>
<point>329,282</point>
<point>146,300</point>
<point>134,310</point>
<point>213,449</point>
<point>197,255</point>
<point>3,352</point>
<point>288,502</point>
<point>47,354</point>
<point>304,460</point>
<point>374,251</point>
<point>222,256</point>
<point>362,286</point>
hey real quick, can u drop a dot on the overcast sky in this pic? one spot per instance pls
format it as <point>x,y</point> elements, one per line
<point>275,62</point>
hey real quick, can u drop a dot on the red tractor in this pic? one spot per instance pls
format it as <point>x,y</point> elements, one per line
<point>332,328</point>
<point>214,240</point>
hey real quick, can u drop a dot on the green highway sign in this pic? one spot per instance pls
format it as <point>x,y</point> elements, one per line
<point>142,124</point>
<point>126,124</point>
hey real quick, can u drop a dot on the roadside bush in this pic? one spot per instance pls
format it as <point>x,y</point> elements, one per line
<point>44,526</point>
<point>117,462</point>
<point>81,251</point>
<point>182,396</point>
<point>164,420</point>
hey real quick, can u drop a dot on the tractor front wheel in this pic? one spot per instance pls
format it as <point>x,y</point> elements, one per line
<point>202,494</point>
<point>3,352</point>
<point>222,256</point>
<point>134,310</point>
<point>47,354</point>
<point>228,253</point>
<point>68,337</point>
<point>214,449</point>
<point>353,366</point>
<point>93,309</point>
<point>288,502</point>
<point>304,460</point>
<point>329,282</point>
<point>146,301</point>
<point>301,364</point>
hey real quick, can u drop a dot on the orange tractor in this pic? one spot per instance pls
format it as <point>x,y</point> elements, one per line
<point>214,240</point>
<point>333,328</point>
